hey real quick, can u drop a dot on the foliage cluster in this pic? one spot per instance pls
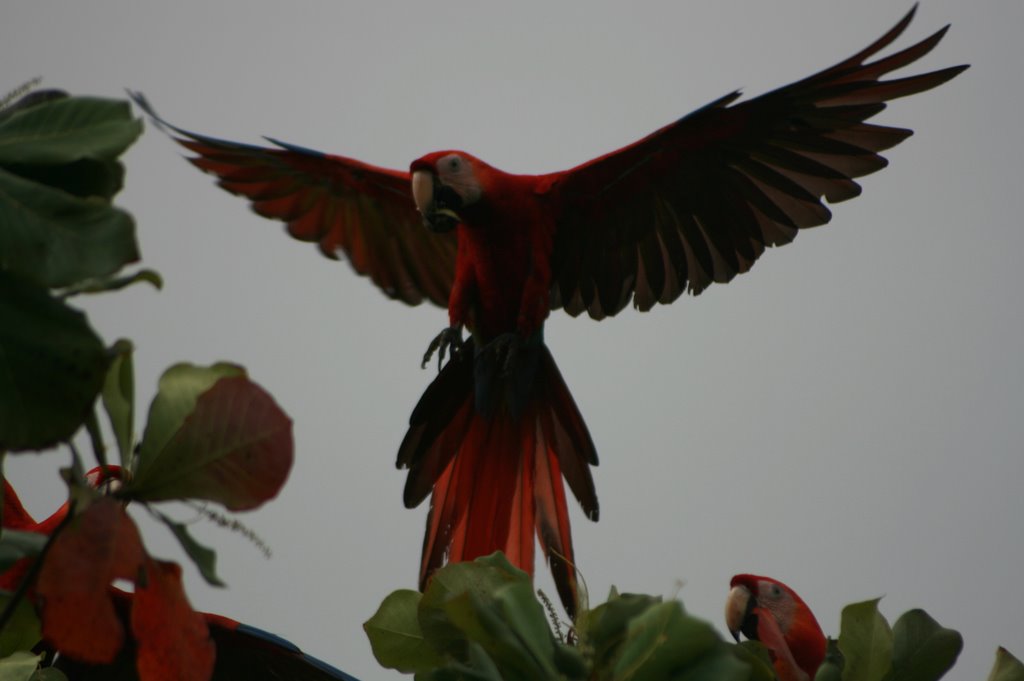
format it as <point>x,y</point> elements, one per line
<point>211,434</point>
<point>481,621</point>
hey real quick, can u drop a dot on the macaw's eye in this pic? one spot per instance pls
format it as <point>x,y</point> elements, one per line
<point>454,164</point>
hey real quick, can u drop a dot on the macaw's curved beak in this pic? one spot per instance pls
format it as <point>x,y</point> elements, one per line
<point>739,613</point>
<point>435,202</point>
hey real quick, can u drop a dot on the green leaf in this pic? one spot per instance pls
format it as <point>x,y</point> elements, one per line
<point>204,558</point>
<point>22,631</point>
<point>604,628</point>
<point>865,641</point>
<point>482,576</point>
<point>481,666</point>
<point>115,283</point>
<point>58,239</point>
<point>717,668</point>
<point>52,366</point>
<point>757,659</point>
<point>922,649</point>
<point>462,613</point>
<point>1007,667</point>
<point>395,635</point>
<point>84,178</point>
<point>660,641</point>
<point>17,544</point>
<point>48,674</point>
<point>83,164</point>
<point>67,129</point>
<point>486,616</point>
<point>119,399</point>
<point>524,614</point>
<point>828,671</point>
<point>831,668</point>
<point>481,621</point>
<point>569,660</point>
<point>212,434</point>
<point>499,562</point>
<point>19,667</point>
<point>517,608</point>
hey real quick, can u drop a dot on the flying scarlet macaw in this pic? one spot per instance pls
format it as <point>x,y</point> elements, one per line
<point>766,610</point>
<point>693,203</point>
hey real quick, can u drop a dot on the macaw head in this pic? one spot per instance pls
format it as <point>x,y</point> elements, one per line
<point>443,184</point>
<point>766,610</point>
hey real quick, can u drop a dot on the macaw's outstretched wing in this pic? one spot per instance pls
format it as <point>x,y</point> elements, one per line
<point>699,200</point>
<point>348,207</point>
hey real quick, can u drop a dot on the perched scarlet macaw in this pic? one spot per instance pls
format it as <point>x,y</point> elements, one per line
<point>693,203</point>
<point>766,610</point>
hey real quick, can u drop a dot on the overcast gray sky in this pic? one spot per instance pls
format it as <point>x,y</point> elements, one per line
<point>847,417</point>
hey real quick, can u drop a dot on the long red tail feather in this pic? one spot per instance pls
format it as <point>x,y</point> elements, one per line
<point>496,480</point>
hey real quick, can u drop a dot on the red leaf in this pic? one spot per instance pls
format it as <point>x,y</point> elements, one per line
<point>98,547</point>
<point>173,641</point>
<point>78,614</point>
<point>244,422</point>
<point>234,447</point>
<point>17,518</point>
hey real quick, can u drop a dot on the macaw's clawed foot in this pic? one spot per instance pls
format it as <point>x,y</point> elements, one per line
<point>448,341</point>
<point>506,349</point>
